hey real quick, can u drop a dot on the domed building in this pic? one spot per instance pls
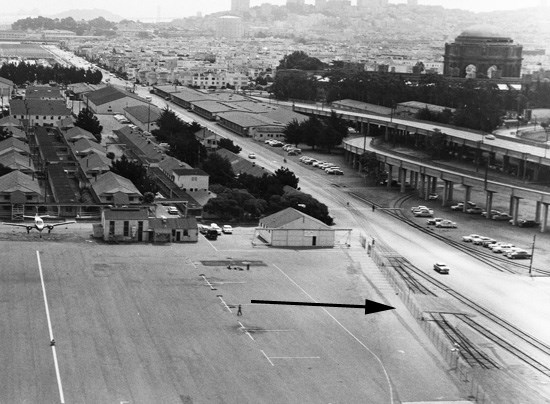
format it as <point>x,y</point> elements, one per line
<point>481,52</point>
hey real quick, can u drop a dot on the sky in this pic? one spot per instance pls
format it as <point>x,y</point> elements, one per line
<point>170,9</point>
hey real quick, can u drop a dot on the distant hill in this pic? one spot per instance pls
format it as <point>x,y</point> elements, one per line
<point>88,15</point>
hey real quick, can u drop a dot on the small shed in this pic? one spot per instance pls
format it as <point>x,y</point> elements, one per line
<point>173,229</point>
<point>292,228</point>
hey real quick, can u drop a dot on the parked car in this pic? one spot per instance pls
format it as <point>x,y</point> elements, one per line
<point>434,220</point>
<point>211,234</point>
<point>446,224</point>
<point>423,213</point>
<point>490,137</point>
<point>521,254</point>
<point>470,238</point>
<point>216,227</point>
<point>493,212</point>
<point>474,211</point>
<point>227,229</point>
<point>172,210</point>
<point>203,229</point>
<point>480,240</point>
<point>433,197</point>
<point>501,217</point>
<point>460,205</point>
<point>487,243</point>
<point>499,249</point>
<point>441,268</point>
<point>251,155</point>
<point>334,171</point>
<point>527,223</point>
<point>418,208</point>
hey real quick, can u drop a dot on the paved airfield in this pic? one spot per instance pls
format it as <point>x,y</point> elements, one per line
<point>159,324</point>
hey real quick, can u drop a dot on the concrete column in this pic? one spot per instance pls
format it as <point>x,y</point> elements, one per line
<point>536,171</point>
<point>445,192</point>
<point>427,187</point>
<point>511,206</point>
<point>451,189</point>
<point>544,221</point>
<point>515,209</point>
<point>422,184</point>
<point>505,163</point>
<point>537,211</point>
<point>488,203</point>
<point>411,178</point>
<point>434,185</point>
<point>390,175</point>
<point>403,176</point>
<point>467,195</point>
<point>416,179</point>
<point>386,136</point>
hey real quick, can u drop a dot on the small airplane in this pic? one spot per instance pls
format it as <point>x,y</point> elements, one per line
<point>38,224</point>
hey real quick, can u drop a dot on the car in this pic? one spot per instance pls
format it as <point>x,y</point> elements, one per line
<point>446,224</point>
<point>172,210</point>
<point>434,220</point>
<point>474,211</point>
<point>216,227</point>
<point>433,197</point>
<point>292,153</point>
<point>499,249</point>
<point>203,229</point>
<point>488,243</point>
<point>211,234</point>
<point>332,168</point>
<point>441,268</point>
<point>527,223</point>
<point>521,254</point>
<point>501,217</point>
<point>251,156</point>
<point>480,240</point>
<point>470,238</point>
<point>334,171</point>
<point>460,205</point>
<point>493,212</point>
<point>227,229</point>
<point>418,208</point>
<point>490,137</point>
<point>423,213</point>
<point>287,146</point>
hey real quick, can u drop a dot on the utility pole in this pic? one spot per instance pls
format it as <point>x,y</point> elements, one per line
<point>532,253</point>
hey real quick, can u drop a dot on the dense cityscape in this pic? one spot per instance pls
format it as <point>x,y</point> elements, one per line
<point>322,153</point>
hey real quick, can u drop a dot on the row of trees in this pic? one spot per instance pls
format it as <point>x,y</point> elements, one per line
<point>325,134</point>
<point>478,104</point>
<point>29,73</point>
<point>97,26</point>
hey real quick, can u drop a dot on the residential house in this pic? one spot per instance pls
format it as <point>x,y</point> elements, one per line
<point>17,161</point>
<point>190,179</point>
<point>16,190</point>
<point>43,93</point>
<point>76,133</point>
<point>110,188</point>
<point>12,144</point>
<point>36,112</point>
<point>208,139</point>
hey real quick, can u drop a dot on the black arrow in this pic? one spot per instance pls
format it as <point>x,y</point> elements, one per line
<point>369,306</point>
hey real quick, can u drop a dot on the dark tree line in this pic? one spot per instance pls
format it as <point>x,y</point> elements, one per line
<point>29,73</point>
<point>88,121</point>
<point>180,136</point>
<point>478,104</point>
<point>97,26</point>
<point>136,173</point>
<point>325,134</point>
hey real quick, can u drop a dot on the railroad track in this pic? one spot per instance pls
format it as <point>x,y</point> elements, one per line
<point>491,259</point>
<point>469,351</point>
<point>414,285</point>
<point>528,339</point>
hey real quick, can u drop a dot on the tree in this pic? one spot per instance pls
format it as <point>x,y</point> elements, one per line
<point>300,60</point>
<point>136,173</point>
<point>229,145</point>
<point>286,177</point>
<point>294,133</point>
<point>333,132</point>
<point>219,169</point>
<point>312,127</point>
<point>435,144</point>
<point>369,163</point>
<point>88,121</point>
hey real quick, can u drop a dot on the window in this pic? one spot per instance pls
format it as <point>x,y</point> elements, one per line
<point>126,228</point>
<point>193,178</point>
<point>185,232</point>
<point>36,116</point>
<point>51,117</point>
<point>111,227</point>
<point>29,197</point>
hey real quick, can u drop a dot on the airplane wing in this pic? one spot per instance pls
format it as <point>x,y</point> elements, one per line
<point>18,225</point>
<point>52,225</point>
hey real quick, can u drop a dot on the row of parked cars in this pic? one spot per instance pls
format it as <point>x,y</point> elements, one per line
<point>424,211</point>
<point>213,231</point>
<point>493,214</point>
<point>329,168</point>
<point>498,247</point>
